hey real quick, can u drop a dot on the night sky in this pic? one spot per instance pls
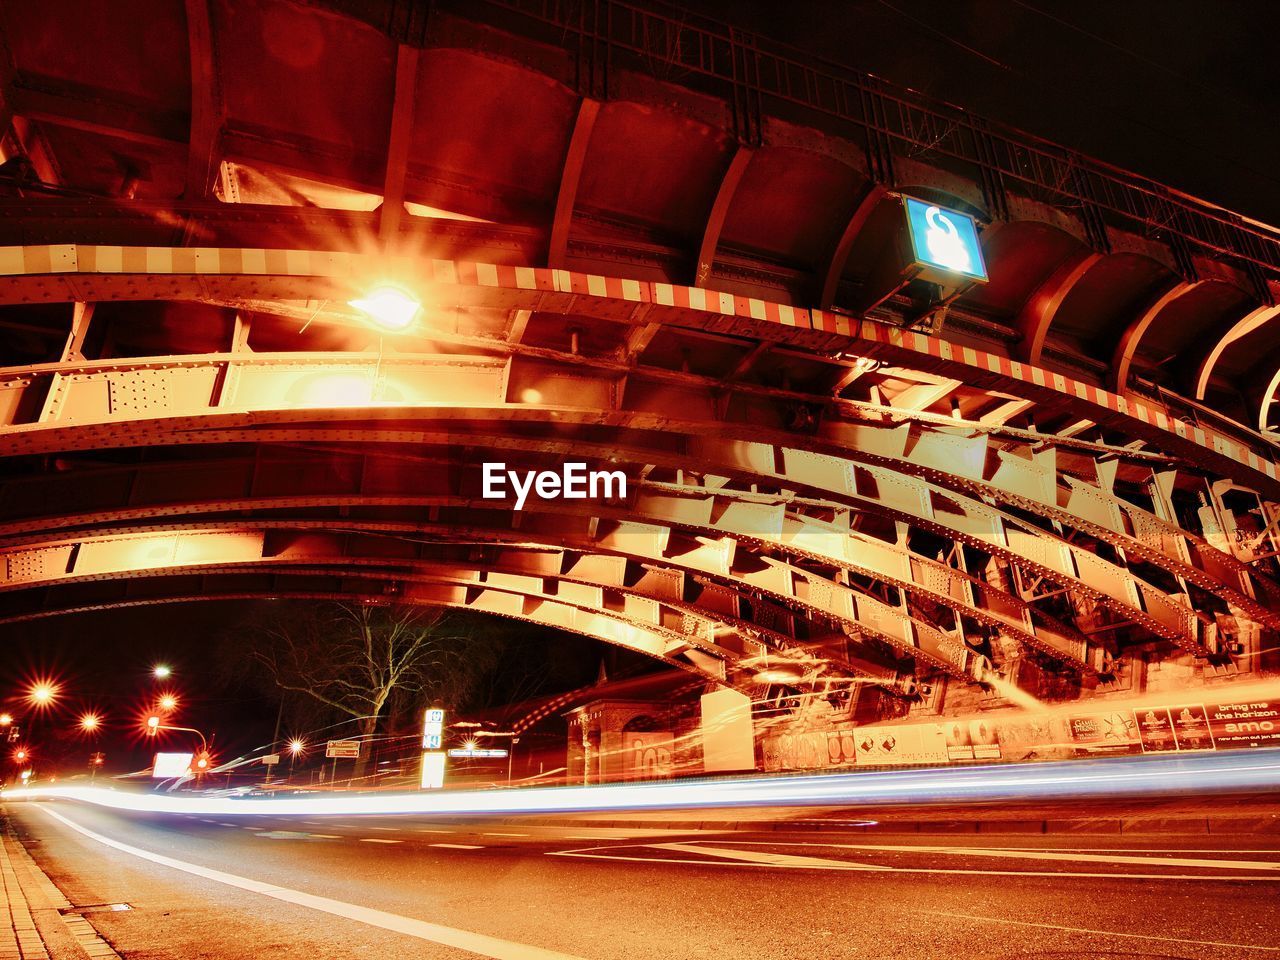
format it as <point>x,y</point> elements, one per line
<point>1180,90</point>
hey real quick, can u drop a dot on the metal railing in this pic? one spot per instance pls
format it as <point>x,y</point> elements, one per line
<point>750,72</point>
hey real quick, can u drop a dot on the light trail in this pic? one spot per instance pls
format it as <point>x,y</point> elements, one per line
<point>1126,777</point>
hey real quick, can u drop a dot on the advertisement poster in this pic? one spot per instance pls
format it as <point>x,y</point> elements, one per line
<point>959,745</point>
<point>1105,732</point>
<point>795,751</point>
<point>918,743</point>
<point>1155,728</point>
<point>649,755</point>
<point>1245,725</point>
<point>982,736</point>
<point>1191,727</point>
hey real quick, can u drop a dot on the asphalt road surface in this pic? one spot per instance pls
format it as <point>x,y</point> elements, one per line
<point>284,887</point>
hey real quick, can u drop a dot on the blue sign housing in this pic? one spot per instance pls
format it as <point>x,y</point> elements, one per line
<point>946,241</point>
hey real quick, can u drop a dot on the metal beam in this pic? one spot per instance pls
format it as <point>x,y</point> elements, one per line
<point>1253,320</point>
<point>1026,483</point>
<point>719,212</point>
<point>844,246</point>
<point>1270,401</point>
<point>1127,346</point>
<point>206,106</point>
<point>1036,316</point>
<point>570,177</point>
<point>398,140</point>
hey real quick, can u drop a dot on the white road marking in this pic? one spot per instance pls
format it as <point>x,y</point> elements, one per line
<point>457,846</point>
<point>326,836</point>
<point>477,943</point>
<point>611,853</point>
<point>504,834</point>
<point>226,824</point>
<point>597,838</point>
<point>1157,861</point>
<point>1104,933</point>
<point>1258,851</point>
<point>764,859</point>
<point>387,829</point>
<point>378,840</point>
<point>203,820</point>
<point>433,830</point>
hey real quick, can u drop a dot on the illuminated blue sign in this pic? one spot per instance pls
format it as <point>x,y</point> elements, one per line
<point>944,242</point>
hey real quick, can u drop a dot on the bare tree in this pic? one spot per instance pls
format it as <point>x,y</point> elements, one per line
<point>355,658</point>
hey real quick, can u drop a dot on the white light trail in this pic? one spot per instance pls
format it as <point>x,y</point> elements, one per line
<point>1251,770</point>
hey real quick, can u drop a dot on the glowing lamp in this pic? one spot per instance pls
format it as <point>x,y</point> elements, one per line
<point>778,675</point>
<point>153,724</point>
<point>389,308</point>
<point>296,746</point>
<point>6,719</point>
<point>90,722</point>
<point>944,243</point>
<point>162,671</point>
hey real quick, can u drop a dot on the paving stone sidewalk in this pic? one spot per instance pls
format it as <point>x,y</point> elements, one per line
<point>27,892</point>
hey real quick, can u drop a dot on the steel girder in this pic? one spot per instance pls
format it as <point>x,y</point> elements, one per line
<point>805,536</point>
<point>707,562</point>
<point>1014,549</point>
<point>85,272</point>
<point>711,633</point>
<point>746,521</point>
<point>1027,477</point>
<point>512,388</point>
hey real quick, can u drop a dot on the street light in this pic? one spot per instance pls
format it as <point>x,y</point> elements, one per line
<point>90,722</point>
<point>153,724</point>
<point>42,693</point>
<point>6,719</point>
<point>388,307</point>
<point>168,703</point>
<point>162,671</point>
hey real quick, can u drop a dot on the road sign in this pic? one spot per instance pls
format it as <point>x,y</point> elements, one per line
<point>468,752</point>
<point>944,242</point>
<point>433,770</point>
<point>433,729</point>
<point>343,749</point>
<point>271,759</point>
<point>170,765</point>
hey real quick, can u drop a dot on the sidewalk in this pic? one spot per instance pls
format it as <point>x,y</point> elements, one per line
<point>37,924</point>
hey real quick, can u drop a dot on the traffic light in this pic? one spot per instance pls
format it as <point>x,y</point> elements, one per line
<point>202,762</point>
<point>153,724</point>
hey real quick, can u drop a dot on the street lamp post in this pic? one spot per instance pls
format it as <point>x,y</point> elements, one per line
<point>155,725</point>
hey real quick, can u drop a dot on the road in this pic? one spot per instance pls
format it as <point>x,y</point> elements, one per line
<point>395,887</point>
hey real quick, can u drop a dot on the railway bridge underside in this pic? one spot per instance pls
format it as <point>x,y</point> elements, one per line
<point>836,473</point>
